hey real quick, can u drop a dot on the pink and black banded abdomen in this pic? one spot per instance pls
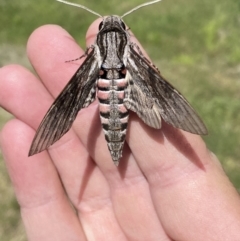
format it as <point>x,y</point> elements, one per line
<point>113,114</point>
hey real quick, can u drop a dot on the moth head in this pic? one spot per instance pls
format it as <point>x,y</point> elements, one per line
<point>112,23</point>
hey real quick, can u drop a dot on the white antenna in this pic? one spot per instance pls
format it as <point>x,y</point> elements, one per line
<point>140,6</point>
<point>91,11</point>
<point>80,6</point>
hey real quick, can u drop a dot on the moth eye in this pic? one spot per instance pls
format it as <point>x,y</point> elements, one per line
<point>100,26</point>
<point>123,25</point>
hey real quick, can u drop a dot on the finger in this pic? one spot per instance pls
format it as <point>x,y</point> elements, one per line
<point>88,128</point>
<point>45,209</point>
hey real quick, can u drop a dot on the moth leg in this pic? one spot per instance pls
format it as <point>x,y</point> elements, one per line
<point>83,56</point>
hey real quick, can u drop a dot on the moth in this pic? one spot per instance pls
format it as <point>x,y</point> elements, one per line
<point>123,80</point>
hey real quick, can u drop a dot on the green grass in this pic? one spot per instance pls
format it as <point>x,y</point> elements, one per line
<point>194,43</point>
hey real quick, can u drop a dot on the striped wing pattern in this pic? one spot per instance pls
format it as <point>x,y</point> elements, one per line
<point>77,94</point>
<point>151,96</point>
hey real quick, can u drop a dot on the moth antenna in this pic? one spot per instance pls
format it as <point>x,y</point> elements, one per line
<point>80,6</point>
<point>139,6</point>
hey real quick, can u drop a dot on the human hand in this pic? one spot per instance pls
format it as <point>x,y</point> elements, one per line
<point>168,186</point>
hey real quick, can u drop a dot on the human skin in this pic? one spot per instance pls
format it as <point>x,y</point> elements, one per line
<point>168,185</point>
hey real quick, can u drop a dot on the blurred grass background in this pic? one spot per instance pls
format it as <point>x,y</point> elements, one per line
<point>195,44</point>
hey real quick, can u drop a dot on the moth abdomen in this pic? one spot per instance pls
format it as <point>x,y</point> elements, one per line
<point>113,114</point>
